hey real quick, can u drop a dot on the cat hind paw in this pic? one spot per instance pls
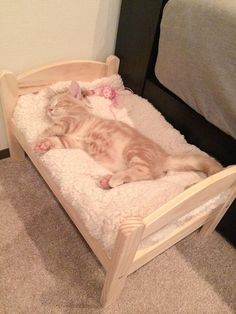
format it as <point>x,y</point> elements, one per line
<point>42,146</point>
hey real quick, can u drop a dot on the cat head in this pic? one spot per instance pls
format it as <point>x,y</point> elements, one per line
<point>64,103</point>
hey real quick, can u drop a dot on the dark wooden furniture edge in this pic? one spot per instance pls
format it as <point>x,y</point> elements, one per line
<point>191,124</point>
<point>136,32</point>
<point>4,153</point>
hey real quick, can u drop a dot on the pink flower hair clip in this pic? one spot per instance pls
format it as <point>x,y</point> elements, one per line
<point>109,92</point>
<point>106,91</point>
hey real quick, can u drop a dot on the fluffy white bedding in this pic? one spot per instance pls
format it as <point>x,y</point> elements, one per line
<point>75,172</point>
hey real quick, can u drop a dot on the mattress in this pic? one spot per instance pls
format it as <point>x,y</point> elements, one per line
<point>76,174</point>
<point>197,57</point>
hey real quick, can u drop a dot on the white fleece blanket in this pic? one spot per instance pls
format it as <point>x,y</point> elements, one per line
<point>102,211</point>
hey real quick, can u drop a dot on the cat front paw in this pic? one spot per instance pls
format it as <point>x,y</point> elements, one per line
<point>43,146</point>
<point>111,181</point>
<point>103,182</point>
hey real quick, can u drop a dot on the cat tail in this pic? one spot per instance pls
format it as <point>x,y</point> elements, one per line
<point>195,162</point>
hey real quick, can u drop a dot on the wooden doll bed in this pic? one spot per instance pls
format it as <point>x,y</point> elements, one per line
<point>126,256</point>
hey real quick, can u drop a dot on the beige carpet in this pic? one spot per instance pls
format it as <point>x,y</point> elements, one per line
<point>46,267</point>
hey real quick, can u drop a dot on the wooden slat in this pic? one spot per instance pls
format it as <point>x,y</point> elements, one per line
<point>82,70</point>
<point>62,71</point>
<point>112,63</point>
<point>145,255</point>
<point>190,199</point>
<point>93,243</point>
<point>209,227</point>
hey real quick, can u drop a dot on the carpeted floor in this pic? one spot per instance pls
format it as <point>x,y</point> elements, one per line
<point>46,266</point>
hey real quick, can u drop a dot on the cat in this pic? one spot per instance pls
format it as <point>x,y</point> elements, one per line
<point>118,147</point>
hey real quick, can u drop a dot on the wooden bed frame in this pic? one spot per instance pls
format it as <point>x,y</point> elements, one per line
<point>126,256</point>
<point>140,23</point>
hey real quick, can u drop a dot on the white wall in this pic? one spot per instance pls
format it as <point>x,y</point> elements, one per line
<point>35,32</point>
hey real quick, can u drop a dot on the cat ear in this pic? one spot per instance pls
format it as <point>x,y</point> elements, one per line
<point>75,90</point>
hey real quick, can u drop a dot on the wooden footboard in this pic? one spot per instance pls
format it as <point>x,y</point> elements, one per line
<point>200,193</point>
<point>134,258</point>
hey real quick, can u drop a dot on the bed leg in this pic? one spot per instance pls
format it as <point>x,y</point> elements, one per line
<point>8,98</point>
<point>112,63</point>
<point>210,226</point>
<point>127,242</point>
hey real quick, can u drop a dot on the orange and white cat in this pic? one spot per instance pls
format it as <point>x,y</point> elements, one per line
<point>128,154</point>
